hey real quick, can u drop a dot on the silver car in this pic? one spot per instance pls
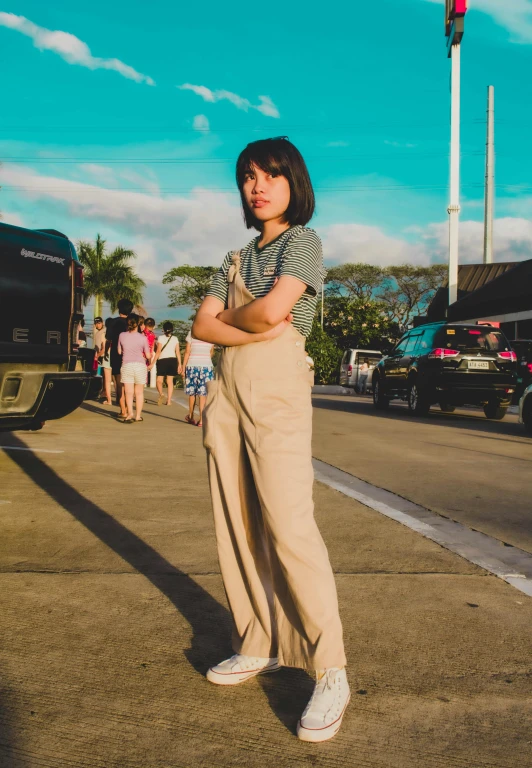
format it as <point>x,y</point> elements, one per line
<point>350,366</point>
<point>525,409</point>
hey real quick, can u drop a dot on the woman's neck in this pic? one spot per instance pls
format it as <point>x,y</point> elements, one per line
<point>271,230</point>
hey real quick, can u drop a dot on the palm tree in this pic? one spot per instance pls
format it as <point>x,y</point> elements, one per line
<point>108,276</point>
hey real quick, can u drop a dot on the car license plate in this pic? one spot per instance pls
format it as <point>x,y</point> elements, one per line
<point>478,365</point>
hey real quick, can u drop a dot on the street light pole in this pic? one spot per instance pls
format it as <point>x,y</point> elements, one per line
<point>490,179</point>
<point>454,201</point>
<point>455,11</point>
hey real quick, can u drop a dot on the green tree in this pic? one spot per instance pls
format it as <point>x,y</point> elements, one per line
<point>356,323</point>
<point>358,281</point>
<point>408,290</point>
<point>109,276</point>
<point>325,353</point>
<point>191,285</point>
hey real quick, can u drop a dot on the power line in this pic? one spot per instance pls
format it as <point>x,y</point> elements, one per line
<point>221,160</point>
<point>354,188</point>
<point>277,128</point>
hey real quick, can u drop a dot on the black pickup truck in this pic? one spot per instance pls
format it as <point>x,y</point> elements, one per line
<point>41,300</point>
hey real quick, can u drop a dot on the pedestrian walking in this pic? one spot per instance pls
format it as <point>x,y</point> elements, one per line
<point>117,326</point>
<point>363,373</point>
<point>135,351</point>
<point>197,363</point>
<point>257,426</point>
<point>99,352</point>
<point>107,372</point>
<point>149,325</point>
<point>167,361</point>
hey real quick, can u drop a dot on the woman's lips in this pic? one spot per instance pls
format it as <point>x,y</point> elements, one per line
<point>259,203</point>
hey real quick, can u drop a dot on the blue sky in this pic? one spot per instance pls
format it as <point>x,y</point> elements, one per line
<point>98,134</point>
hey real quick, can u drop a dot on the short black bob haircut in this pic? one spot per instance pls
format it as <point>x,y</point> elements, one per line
<point>280,157</point>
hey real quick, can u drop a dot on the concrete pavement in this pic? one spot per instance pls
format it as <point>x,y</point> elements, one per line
<point>113,608</point>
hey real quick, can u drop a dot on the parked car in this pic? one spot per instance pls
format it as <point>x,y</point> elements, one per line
<point>523,350</point>
<point>350,366</point>
<point>450,364</point>
<point>525,409</point>
<point>41,296</point>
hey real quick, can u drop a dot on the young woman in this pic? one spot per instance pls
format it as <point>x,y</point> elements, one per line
<point>257,428</point>
<point>168,361</point>
<point>135,351</point>
<point>198,371</point>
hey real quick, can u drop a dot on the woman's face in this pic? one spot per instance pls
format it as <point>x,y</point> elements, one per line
<point>267,196</point>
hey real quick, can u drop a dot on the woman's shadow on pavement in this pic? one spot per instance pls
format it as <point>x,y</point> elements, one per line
<point>287,691</point>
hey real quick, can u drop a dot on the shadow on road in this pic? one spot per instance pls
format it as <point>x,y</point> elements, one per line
<point>460,420</point>
<point>209,620</point>
<point>112,414</point>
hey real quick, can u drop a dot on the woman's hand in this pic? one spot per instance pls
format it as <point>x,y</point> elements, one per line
<point>276,331</point>
<point>180,370</point>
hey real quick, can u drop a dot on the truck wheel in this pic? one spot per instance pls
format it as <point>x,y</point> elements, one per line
<point>446,408</point>
<point>495,411</point>
<point>380,401</point>
<point>418,402</point>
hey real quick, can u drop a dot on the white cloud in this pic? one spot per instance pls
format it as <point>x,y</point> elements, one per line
<point>7,217</point>
<point>359,242</point>
<point>201,123</point>
<point>100,173</point>
<point>166,231</point>
<point>69,47</point>
<point>266,106</point>
<point>399,144</point>
<point>513,15</point>
<point>512,240</point>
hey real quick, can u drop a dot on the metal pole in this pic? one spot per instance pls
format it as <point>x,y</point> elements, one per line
<point>322,302</point>
<point>454,203</point>
<point>490,178</point>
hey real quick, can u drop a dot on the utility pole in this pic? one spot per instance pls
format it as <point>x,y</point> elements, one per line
<point>490,178</point>
<point>455,11</point>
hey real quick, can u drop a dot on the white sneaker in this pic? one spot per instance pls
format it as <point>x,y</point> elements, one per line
<point>239,668</point>
<point>322,718</point>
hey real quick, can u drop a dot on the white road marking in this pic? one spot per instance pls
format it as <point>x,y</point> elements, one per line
<point>32,450</point>
<point>476,547</point>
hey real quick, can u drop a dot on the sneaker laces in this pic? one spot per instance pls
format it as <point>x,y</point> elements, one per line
<point>326,682</point>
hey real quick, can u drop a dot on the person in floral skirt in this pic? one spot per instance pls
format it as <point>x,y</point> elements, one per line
<point>198,371</point>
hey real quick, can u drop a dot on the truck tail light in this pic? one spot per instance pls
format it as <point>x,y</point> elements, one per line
<point>510,356</point>
<point>78,280</point>
<point>529,366</point>
<point>349,370</point>
<point>440,353</point>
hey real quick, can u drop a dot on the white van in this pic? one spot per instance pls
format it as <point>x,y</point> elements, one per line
<point>350,366</point>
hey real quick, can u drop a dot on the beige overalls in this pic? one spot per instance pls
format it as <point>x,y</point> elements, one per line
<point>257,428</point>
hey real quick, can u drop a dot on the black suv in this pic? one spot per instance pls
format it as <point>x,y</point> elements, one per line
<point>450,364</point>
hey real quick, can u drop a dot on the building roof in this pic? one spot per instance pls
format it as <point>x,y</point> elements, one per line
<point>471,277</point>
<point>508,293</point>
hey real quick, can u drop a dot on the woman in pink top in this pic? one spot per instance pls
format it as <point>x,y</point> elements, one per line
<point>135,351</point>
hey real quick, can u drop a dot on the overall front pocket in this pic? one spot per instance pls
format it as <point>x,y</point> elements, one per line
<point>282,414</point>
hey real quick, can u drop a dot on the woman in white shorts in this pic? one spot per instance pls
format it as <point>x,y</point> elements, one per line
<point>135,351</point>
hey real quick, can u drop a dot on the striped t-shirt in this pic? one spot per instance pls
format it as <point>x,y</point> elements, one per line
<point>296,252</point>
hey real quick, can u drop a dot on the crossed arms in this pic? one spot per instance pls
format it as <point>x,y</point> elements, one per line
<point>261,320</point>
